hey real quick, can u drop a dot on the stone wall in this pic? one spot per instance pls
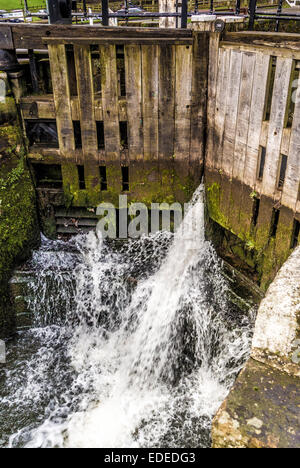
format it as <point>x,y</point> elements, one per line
<point>262,409</point>
<point>19,231</point>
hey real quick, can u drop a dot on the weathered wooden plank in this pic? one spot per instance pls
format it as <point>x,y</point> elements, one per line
<point>75,108</point>
<point>62,99</point>
<point>277,118</point>
<point>133,71</point>
<point>86,102</point>
<point>257,132</point>
<point>183,85</point>
<point>46,30</point>
<point>109,84</point>
<point>240,202</point>
<point>166,102</point>
<point>98,109</point>
<point>291,188</point>
<point>232,102</point>
<point>31,35</point>
<point>166,6</point>
<point>123,110</point>
<point>199,99</point>
<point>150,101</point>
<point>45,107</point>
<point>118,40</point>
<point>278,52</point>
<point>220,110</point>
<point>269,39</point>
<point>264,132</point>
<point>215,174</point>
<point>213,76</point>
<point>244,106</point>
<point>255,118</point>
<point>285,142</point>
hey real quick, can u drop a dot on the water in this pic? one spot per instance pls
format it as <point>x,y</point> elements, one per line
<point>133,347</point>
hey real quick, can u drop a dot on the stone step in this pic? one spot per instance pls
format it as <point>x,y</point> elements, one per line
<point>73,230</point>
<point>75,213</point>
<point>67,222</point>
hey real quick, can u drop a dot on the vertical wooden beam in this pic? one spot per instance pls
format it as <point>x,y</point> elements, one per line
<point>259,85</point>
<point>214,74</point>
<point>167,6</point>
<point>232,104</point>
<point>244,107</point>
<point>133,70</point>
<point>277,118</point>
<point>241,203</point>
<point>256,117</point>
<point>199,100</point>
<point>220,110</point>
<point>62,99</point>
<point>166,122</point>
<point>292,179</point>
<point>150,101</point>
<point>86,102</point>
<point>110,100</point>
<point>33,71</point>
<point>184,61</point>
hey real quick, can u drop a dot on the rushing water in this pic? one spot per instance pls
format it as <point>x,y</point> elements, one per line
<point>134,346</point>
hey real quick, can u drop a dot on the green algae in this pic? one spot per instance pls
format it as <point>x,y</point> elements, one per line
<point>19,231</point>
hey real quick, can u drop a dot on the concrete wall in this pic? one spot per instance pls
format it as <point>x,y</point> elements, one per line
<point>262,409</point>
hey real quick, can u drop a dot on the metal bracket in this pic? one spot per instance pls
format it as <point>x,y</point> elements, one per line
<point>219,25</point>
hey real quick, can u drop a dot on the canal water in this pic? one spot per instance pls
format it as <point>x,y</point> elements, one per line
<point>133,346</point>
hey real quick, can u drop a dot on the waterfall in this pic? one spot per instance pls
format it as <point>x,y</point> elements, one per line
<point>147,345</point>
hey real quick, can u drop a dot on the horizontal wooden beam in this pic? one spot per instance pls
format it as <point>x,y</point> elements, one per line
<point>268,50</point>
<point>119,40</point>
<point>31,36</point>
<point>45,108</point>
<point>272,40</point>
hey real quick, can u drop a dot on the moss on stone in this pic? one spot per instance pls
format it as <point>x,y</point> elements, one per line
<point>261,410</point>
<point>214,195</point>
<point>148,184</point>
<point>263,254</point>
<point>19,231</point>
<point>7,110</point>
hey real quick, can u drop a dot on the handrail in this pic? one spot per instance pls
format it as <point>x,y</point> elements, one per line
<point>181,17</point>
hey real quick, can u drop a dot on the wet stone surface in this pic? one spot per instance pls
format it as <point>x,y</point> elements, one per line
<point>261,411</point>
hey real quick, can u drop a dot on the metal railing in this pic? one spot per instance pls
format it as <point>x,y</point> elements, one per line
<point>255,12</point>
<point>277,16</point>
<point>101,12</point>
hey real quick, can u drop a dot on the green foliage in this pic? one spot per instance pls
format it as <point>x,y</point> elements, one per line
<point>19,4</point>
<point>13,177</point>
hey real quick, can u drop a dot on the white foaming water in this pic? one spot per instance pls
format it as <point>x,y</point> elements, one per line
<point>150,347</point>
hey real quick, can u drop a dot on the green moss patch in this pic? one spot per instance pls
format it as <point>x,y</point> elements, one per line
<point>19,231</point>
